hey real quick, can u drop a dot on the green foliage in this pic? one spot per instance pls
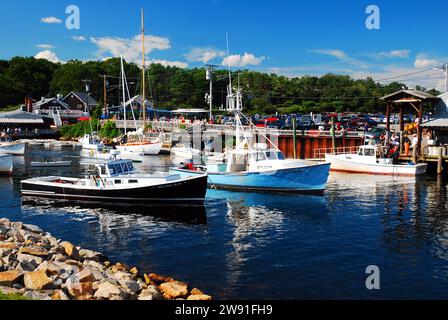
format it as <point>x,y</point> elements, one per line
<point>80,129</point>
<point>10,108</point>
<point>4,297</point>
<point>109,130</point>
<point>172,87</point>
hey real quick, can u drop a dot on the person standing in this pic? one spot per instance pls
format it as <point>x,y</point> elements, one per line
<point>407,145</point>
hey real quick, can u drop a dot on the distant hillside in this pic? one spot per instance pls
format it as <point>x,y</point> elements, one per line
<point>172,87</point>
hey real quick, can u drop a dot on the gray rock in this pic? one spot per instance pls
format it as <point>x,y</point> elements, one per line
<point>8,290</point>
<point>130,286</point>
<point>150,293</point>
<point>4,231</point>
<point>58,257</point>
<point>17,225</point>
<point>29,259</point>
<point>30,236</point>
<point>98,275</point>
<point>26,266</point>
<point>32,228</point>
<point>39,295</point>
<point>110,291</point>
<point>94,264</point>
<point>18,286</point>
<point>5,222</point>
<point>91,255</point>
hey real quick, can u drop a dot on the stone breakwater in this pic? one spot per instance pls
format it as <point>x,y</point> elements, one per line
<point>36,265</point>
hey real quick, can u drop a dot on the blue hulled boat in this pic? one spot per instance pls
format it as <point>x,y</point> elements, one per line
<point>273,175</point>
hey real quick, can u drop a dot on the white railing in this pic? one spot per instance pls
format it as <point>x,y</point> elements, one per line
<point>172,126</point>
<point>320,153</point>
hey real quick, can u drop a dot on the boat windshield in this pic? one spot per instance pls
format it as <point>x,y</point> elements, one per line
<point>367,152</point>
<point>259,156</point>
<point>121,168</point>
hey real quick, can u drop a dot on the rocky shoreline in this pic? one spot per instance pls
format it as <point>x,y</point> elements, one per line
<point>36,265</point>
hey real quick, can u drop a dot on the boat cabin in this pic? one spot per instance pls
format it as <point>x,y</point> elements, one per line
<point>91,139</point>
<point>115,168</point>
<point>241,160</point>
<point>5,139</point>
<point>374,154</point>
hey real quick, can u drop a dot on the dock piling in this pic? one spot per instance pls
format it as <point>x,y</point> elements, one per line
<point>440,161</point>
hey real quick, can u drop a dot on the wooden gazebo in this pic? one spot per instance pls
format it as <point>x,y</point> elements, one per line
<point>409,100</point>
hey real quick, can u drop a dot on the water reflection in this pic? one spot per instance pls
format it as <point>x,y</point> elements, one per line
<point>125,216</point>
<point>254,245</point>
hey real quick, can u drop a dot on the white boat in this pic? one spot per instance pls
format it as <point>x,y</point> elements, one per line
<point>91,142</point>
<point>147,148</point>
<point>185,152</point>
<point>52,164</point>
<point>6,164</point>
<point>373,160</point>
<point>7,146</point>
<point>113,154</point>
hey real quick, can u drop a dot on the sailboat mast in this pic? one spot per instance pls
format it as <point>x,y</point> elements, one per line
<point>143,71</point>
<point>124,96</point>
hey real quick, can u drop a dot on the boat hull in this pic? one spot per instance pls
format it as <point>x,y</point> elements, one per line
<point>339,164</point>
<point>95,147</point>
<point>310,179</point>
<point>17,149</point>
<point>51,164</point>
<point>185,190</point>
<point>151,149</point>
<point>6,164</point>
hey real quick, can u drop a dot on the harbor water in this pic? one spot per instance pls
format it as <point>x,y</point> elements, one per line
<point>258,246</point>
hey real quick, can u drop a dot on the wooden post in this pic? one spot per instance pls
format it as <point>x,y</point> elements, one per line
<point>388,111</point>
<point>440,161</point>
<point>333,135</point>
<point>414,154</point>
<point>294,138</point>
<point>420,133</point>
<point>401,128</point>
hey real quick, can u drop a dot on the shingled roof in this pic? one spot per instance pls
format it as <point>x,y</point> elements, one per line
<point>21,117</point>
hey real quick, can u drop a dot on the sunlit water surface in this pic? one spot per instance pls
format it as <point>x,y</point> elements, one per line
<point>258,246</point>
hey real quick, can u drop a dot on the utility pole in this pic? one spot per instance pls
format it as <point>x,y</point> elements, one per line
<point>105,93</point>
<point>444,68</point>
<point>209,76</point>
<point>87,85</point>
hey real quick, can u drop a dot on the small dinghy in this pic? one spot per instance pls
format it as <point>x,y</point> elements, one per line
<point>52,164</point>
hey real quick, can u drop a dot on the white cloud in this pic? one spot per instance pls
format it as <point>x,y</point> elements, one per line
<point>130,49</point>
<point>422,61</point>
<point>48,55</point>
<point>247,59</point>
<point>167,63</point>
<point>395,54</point>
<point>50,20</point>
<point>342,56</point>
<point>45,46</point>
<point>339,54</point>
<point>79,38</point>
<point>204,55</point>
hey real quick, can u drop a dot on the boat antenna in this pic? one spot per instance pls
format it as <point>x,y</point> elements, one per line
<point>228,64</point>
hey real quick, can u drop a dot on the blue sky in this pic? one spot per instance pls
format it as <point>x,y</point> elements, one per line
<point>289,37</point>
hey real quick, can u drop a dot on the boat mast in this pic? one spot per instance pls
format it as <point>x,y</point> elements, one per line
<point>143,72</point>
<point>124,95</point>
<point>236,108</point>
